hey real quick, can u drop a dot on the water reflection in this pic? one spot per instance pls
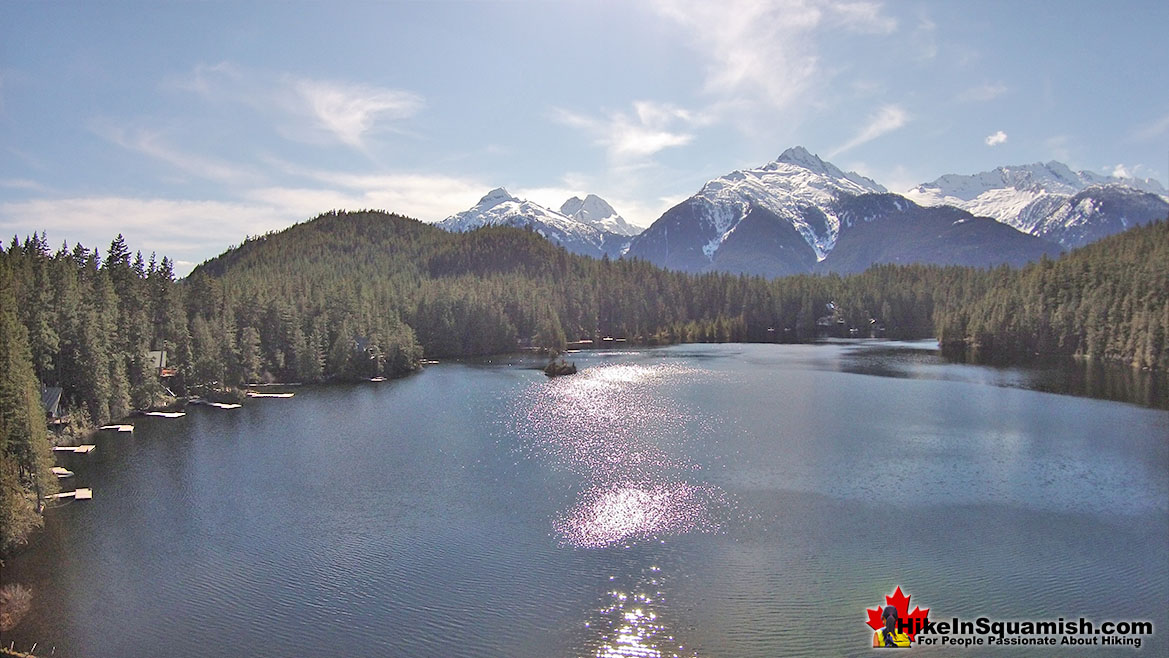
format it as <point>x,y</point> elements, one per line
<point>616,513</point>
<point>627,622</point>
<point>1065,376</point>
<point>611,426</point>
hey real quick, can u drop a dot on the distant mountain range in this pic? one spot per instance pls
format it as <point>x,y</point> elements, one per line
<point>800,214</point>
<point>1051,201</point>
<point>589,227</point>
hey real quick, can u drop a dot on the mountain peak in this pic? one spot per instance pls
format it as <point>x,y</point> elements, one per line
<point>496,197</point>
<point>800,156</point>
<point>596,212</point>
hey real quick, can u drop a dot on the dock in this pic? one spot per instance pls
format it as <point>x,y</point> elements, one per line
<point>117,428</point>
<point>78,494</point>
<point>377,379</point>
<point>165,414</point>
<point>62,472</point>
<point>217,405</point>
<point>81,448</point>
<point>254,394</point>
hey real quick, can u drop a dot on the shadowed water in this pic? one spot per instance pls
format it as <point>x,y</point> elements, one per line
<point>710,500</point>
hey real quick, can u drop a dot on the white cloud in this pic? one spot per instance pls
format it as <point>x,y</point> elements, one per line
<point>179,229</point>
<point>153,144</point>
<point>886,120</point>
<point>634,137</point>
<point>22,184</point>
<point>764,51</point>
<point>191,231</point>
<point>1119,171</point>
<point>758,49</point>
<point>1152,129</point>
<point>304,109</point>
<point>350,111</point>
<point>996,139</point>
<point>863,17</point>
<point>427,197</point>
<point>982,93</point>
<point>925,37</point>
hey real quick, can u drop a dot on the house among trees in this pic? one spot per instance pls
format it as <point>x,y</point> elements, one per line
<point>51,401</point>
<point>157,359</point>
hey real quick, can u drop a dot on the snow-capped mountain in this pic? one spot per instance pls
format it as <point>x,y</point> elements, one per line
<point>499,207</point>
<point>789,216</point>
<point>1050,200</point>
<point>596,212</point>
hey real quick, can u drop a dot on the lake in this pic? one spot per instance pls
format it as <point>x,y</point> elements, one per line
<point>709,500</point>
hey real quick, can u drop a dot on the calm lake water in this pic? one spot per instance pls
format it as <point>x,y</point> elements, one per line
<point>710,500</point>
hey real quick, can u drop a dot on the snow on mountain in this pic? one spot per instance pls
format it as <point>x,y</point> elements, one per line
<point>596,212</point>
<point>499,208</point>
<point>798,188</point>
<point>1038,199</point>
<point>800,214</point>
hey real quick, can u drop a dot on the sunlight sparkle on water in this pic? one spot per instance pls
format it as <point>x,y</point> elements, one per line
<point>614,514</point>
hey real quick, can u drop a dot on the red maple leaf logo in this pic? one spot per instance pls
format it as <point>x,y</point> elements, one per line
<point>906,619</point>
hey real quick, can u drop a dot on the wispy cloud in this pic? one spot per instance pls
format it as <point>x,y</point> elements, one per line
<point>756,49</point>
<point>428,197</point>
<point>763,56</point>
<point>1120,171</point>
<point>153,144</point>
<point>1152,129</point>
<point>305,109</point>
<point>925,36</point>
<point>982,93</point>
<point>22,184</point>
<point>999,137</point>
<point>634,136</point>
<point>886,120</point>
<point>862,17</point>
<point>184,230</point>
<point>350,111</point>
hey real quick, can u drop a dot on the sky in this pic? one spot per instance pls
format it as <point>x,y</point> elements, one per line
<point>189,126</point>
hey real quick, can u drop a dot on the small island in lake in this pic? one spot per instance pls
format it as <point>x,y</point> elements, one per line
<point>558,367</point>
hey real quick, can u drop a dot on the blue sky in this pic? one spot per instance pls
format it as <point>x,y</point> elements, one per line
<point>188,126</point>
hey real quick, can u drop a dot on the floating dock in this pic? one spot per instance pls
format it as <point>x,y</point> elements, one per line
<point>62,472</point>
<point>79,494</point>
<point>253,394</point>
<point>81,448</point>
<point>377,379</point>
<point>165,414</point>
<point>117,428</point>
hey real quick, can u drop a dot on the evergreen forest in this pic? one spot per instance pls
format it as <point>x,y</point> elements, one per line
<point>354,295</point>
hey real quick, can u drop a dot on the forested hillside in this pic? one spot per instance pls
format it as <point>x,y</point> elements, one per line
<point>352,295</point>
<point>1108,300</point>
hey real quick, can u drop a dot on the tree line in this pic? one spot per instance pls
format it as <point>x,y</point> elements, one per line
<point>354,295</point>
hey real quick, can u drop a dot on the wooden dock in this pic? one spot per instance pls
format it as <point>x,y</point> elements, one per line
<point>81,448</point>
<point>77,494</point>
<point>62,472</point>
<point>117,428</point>
<point>254,394</point>
<point>165,414</point>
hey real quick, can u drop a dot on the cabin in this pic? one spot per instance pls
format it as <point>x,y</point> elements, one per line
<point>157,359</point>
<point>51,401</point>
